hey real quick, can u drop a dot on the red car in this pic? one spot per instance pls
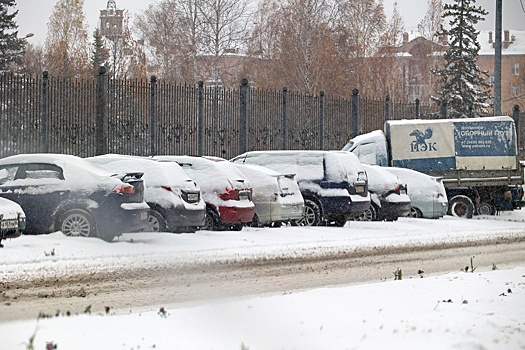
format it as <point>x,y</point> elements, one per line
<point>225,190</point>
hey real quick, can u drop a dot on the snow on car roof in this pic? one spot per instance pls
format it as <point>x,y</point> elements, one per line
<point>210,175</point>
<point>418,183</point>
<point>155,173</point>
<point>78,172</point>
<point>379,179</point>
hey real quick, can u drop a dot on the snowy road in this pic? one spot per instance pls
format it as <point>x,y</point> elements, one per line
<point>142,270</point>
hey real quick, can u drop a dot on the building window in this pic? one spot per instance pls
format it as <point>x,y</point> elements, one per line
<point>515,90</point>
<point>515,69</point>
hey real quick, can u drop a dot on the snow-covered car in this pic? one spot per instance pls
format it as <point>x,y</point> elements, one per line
<point>66,193</point>
<point>427,193</point>
<point>276,196</point>
<point>333,183</point>
<point>12,220</point>
<point>388,195</point>
<point>174,198</point>
<point>225,190</point>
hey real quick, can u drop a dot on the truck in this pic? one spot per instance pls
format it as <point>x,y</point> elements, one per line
<point>477,158</point>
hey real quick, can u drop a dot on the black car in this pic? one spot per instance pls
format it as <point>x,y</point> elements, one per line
<point>66,193</point>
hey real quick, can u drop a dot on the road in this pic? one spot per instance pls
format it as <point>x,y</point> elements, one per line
<point>152,287</point>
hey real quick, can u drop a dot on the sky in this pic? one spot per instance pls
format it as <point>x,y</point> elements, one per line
<point>34,14</point>
<point>455,310</point>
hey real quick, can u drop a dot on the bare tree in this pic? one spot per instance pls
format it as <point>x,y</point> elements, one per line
<point>67,42</point>
<point>359,25</point>
<point>224,28</point>
<point>171,32</point>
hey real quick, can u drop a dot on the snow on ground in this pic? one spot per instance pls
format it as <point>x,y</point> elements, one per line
<point>481,310</point>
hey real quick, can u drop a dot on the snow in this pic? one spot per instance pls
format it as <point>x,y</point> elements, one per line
<point>457,310</point>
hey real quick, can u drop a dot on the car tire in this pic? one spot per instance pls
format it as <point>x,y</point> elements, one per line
<point>415,213</point>
<point>156,222</point>
<point>311,215</point>
<point>78,223</point>
<point>368,215</point>
<point>461,207</point>
<point>255,221</point>
<point>211,220</point>
<point>486,209</point>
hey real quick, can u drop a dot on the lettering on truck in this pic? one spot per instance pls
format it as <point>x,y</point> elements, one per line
<point>421,144</point>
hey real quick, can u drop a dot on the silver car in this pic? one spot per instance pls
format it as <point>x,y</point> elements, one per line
<point>427,193</point>
<point>276,196</point>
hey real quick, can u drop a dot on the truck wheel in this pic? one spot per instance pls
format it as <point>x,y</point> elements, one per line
<point>486,209</point>
<point>312,214</point>
<point>461,207</point>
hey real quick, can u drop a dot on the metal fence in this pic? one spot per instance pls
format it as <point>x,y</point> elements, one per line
<point>139,117</point>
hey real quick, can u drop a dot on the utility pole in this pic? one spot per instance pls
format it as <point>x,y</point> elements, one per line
<point>497,59</point>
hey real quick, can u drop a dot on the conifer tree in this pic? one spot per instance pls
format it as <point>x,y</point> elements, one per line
<point>463,83</point>
<point>11,47</point>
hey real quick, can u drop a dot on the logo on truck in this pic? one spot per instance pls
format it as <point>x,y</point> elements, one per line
<point>421,144</point>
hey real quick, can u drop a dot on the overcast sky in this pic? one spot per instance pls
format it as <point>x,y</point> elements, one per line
<point>34,14</point>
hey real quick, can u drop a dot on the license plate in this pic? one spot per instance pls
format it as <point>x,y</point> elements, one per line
<point>9,224</point>
<point>193,197</point>
<point>243,197</point>
<point>360,189</point>
<point>403,191</point>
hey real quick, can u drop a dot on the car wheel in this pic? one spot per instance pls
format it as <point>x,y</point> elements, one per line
<point>368,215</point>
<point>311,215</point>
<point>461,207</point>
<point>156,222</point>
<point>255,221</point>
<point>415,213</point>
<point>211,221</point>
<point>237,227</point>
<point>486,209</point>
<point>77,223</point>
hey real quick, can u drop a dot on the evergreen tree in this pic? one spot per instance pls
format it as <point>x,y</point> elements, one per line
<point>100,54</point>
<point>11,47</point>
<point>463,83</point>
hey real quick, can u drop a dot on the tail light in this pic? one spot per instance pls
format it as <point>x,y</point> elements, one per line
<point>167,188</point>
<point>124,189</point>
<point>236,195</point>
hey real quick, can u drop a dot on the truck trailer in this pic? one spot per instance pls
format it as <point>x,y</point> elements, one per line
<point>477,158</point>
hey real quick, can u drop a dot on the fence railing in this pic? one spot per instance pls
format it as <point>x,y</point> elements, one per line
<point>139,117</point>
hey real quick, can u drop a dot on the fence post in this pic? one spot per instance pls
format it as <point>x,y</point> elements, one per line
<point>101,127</point>
<point>356,117</point>
<point>200,119</point>
<point>243,128</point>
<point>153,130</point>
<point>321,120</point>
<point>45,113</point>
<point>418,108</point>
<point>517,122</point>
<point>285,118</point>
<point>443,111</point>
<point>387,108</point>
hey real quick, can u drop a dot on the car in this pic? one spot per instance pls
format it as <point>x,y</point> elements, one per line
<point>333,184</point>
<point>427,193</point>
<point>388,196</point>
<point>174,198</point>
<point>225,190</point>
<point>276,196</point>
<point>12,220</point>
<point>66,193</point>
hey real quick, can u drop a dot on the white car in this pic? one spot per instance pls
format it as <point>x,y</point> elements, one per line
<point>427,193</point>
<point>12,220</point>
<point>276,196</point>
<point>175,200</point>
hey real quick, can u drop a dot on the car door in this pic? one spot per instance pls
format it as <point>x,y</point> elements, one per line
<point>38,188</point>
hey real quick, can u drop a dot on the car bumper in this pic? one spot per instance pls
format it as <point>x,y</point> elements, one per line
<point>128,217</point>
<point>184,217</point>
<point>233,215</point>
<point>348,207</point>
<point>393,210</point>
